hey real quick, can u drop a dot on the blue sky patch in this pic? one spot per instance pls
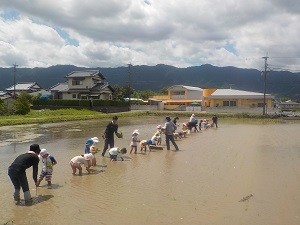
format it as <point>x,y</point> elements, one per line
<point>230,47</point>
<point>67,37</point>
<point>10,14</point>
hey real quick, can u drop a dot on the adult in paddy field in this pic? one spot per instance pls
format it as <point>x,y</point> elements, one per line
<point>17,172</point>
<point>215,121</point>
<point>111,129</point>
<point>170,128</point>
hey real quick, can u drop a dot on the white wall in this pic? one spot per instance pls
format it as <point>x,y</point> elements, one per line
<point>193,108</point>
<point>195,95</point>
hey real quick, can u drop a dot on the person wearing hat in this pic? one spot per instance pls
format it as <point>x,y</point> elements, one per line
<point>111,129</point>
<point>17,172</point>
<point>157,134</point>
<point>90,143</point>
<point>79,160</point>
<point>48,163</point>
<point>193,123</point>
<point>134,141</point>
<point>170,128</point>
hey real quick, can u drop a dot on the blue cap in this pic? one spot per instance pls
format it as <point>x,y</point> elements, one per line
<point>89,142</point>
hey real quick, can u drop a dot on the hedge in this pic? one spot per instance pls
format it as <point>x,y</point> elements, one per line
<point>78,102</point>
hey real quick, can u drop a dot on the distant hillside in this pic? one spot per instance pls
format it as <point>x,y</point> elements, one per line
<point>280,84</point>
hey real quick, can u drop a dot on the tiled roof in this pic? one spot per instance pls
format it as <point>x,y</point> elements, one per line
<point>101,86</point>
<point>22,86</point>
<point>59,87</point>
<point>86,73</point>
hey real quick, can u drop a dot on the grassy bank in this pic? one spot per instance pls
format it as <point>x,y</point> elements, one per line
<point>61,115</point>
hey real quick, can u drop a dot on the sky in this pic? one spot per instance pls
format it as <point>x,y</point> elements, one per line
<point>181,33</point>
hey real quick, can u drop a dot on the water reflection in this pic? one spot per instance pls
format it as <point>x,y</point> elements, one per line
<point>202,183</point>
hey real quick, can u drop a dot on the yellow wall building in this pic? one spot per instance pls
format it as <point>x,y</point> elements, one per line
<point>180,95</point>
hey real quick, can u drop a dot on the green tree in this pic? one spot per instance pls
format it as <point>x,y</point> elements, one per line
<point>164,90</point>
<point>22,104</point>
<point>119,93</point>
<point>145,94</point>
<point>122,92</point>
<point>3,108</point>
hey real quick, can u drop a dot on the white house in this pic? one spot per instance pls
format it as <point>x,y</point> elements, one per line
<point>83,85</point>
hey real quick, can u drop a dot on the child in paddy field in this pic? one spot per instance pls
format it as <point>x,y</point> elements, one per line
<point>90,143</point>
<point>48,163</point>
<point>115,152</point>
<point>134,141</point>
<point>79,160</point>
<point>185,128</point>
<point>158,134</point>
<point>179,134</point>
<point>155,140</point>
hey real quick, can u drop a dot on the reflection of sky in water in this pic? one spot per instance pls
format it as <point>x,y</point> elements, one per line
<point>204,181</point>
<point>20,134</point>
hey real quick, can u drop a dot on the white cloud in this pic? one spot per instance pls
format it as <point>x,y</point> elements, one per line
<point>179,33</point>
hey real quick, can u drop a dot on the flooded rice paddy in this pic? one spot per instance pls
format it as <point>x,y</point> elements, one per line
<point>240,173</point>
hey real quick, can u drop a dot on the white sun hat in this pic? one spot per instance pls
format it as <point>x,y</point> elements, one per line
<point>43,152</point>
<point>95,139</point>
<point>135,132</point>
<point>88,156</point>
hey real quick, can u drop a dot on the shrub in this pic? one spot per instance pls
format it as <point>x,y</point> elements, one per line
<point>3,108</point>
<point>22,104</point>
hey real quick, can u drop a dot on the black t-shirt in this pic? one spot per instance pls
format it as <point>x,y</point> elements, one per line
<point>110,130</point>
<point>23,162</point>
<point>215,119</point>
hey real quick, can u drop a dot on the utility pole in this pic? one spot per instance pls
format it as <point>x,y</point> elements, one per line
<point>265,84</point>
<point>15,72</point>
<point>129,81</point>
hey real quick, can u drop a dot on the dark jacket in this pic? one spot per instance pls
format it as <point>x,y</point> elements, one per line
<point>110,130</point>
<point>23,162</point>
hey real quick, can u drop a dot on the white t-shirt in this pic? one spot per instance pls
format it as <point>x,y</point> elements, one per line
<point>114,151</point>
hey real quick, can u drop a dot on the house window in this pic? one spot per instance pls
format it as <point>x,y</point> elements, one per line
<point>260,104</point>
<point>110,97</point>
<point>77,82</point>
<point>232,103</point>
<point>229,103</point>
<point>74,96</point>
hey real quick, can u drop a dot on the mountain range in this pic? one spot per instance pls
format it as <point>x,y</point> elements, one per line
<point>278,83</point>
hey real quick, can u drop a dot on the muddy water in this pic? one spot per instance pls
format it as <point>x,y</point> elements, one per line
<point>240,173</point>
